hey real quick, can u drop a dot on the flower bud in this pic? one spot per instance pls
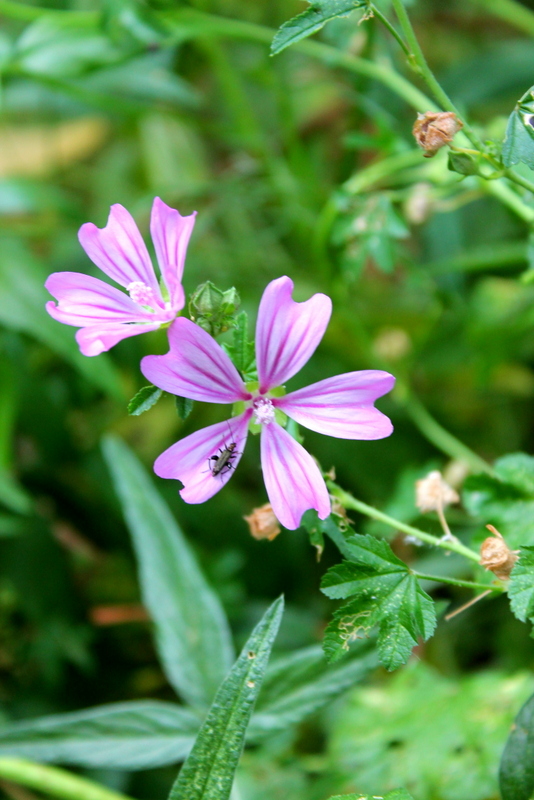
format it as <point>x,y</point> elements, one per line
<point>432,493</point>
<point>434,130</point>
<point>263,523</point>
<point>496,556</point>
<point>212,309</point>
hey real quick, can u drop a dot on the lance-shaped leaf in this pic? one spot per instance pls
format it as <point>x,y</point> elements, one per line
<point>312,20</point>
<point>516,771</point>
<point>192,633</point>
<point>209,771</point>
<point>131,736</point>
<point>521,585</point>
<point>299,684</point>
<point>383,592</point>
<point>145,398</point>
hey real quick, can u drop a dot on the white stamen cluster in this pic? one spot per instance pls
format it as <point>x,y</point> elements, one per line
<point>141,293</point>
<point>263,411</point>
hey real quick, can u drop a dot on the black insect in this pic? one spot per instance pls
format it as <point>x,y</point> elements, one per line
<point>223,461</point>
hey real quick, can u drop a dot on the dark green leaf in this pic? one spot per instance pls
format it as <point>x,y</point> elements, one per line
<point>192,632</point>
<point>383,592</point>
<point>184,406</point>
<point>516,770</point>
<point>521,585</point>
<point>136,735</point>
<point>209,771</point>
<point>312,20</point>
<point>145,398</point>
<point>334,526</point>
<point>519,140</point>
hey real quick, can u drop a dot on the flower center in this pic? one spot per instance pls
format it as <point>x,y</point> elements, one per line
<point>263,410</point>
<point>141,294</point>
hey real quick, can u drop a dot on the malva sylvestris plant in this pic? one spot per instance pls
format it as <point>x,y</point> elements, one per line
<point>106,315</point>
<point>287,334</point>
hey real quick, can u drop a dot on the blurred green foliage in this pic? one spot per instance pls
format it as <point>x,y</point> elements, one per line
<point>300,167</point>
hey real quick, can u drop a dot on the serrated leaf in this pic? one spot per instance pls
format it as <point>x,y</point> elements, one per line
<point>383,592</point>
<point>192,634</point>
<point>519,140</point>
<point>138,735</point>
<point>184,406</point>
<point>209,771</point>
<point>312,20</point>
<point>517,469</point>
<point>521,585</point>
<point>145,398</point>
<point>516,770</point>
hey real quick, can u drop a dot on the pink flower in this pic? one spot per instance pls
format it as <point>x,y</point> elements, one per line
<point>106,315</point>
<point>287,334</point>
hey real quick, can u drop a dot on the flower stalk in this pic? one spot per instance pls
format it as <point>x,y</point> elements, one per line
<point>54,782</point>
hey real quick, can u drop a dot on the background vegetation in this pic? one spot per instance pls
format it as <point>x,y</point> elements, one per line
<point>297,164</point>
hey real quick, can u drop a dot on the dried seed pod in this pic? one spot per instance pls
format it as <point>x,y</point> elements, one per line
<point>496,556</point>
<point>433,494</point>
<point>434,130</point>
<point>263,523</point>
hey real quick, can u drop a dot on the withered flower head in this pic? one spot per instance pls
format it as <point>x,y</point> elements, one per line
<point>495,555</point>
<point>433,494</point>
<point>433,130</point>
<point>263,523</point>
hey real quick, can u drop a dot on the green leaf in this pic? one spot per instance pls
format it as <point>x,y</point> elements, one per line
<point>209,771</point>
<point>521,585</point>
<point>241,351</point>
<point>463,163</point>
<point>383,592</point>
<point>506,500</point>
<point>138,735</point>
<point>312,20</point>
<point>516,770</point>
<point>145,398</point>
<point>192,632</point>
<point>519,140</point>
<point>301,683</point>
<point>24,297</point>
<point>184,406</point>
<point>334,526</point>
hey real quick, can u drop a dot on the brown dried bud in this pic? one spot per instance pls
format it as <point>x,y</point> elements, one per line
<point>495,555</point>
<point>433,494</point>
<point>434,130</point>
<point>263,523</point>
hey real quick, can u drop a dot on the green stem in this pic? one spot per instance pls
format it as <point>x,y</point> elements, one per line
<point>457,582</point>
<point>55,782</point>
<point>441,438</point>
<point>348,501</point>
<point>387,24</point>
<point>370,175</point>
<point>509,198</point>
<point>510,11</point>
<point>516,178</point>
<point>16,10</point>
<point>419,62</point>
<point>498,255</point>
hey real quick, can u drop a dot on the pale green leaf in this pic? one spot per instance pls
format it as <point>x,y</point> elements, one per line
<point>192,633</point>
<point>521,585</point>
<point>145,398</point>
<point>137,735</point>
<point>209,771</point>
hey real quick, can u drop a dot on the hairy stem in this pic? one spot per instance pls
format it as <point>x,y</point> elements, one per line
<point>55,782</point>
<point>348,501</point>
<point>458,582</point>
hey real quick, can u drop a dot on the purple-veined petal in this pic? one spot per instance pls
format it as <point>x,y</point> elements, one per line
<point>190,459</point>
<point>96,339</point>
<point>195,367</point>
<point>84,300</point>
<point>287,333</point>
<point>119,251</point>
<point>170,233</point>
<point>292,478</point>
<point>342,406</point>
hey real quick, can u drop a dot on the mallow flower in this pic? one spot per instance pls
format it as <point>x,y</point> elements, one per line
<point>287,334</point>
<point>104,314</point>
